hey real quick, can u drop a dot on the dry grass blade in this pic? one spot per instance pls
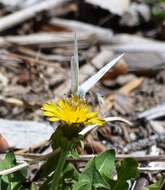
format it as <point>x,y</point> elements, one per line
<point>75,69</point>
<point>88,84</point>
<point>108,119</point>
<point>25,164</point>
<point>14,169</point>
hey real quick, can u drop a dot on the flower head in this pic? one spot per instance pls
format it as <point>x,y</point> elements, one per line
<point>71,111</point>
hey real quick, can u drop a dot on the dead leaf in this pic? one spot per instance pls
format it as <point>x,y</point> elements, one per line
<point>3,144</point>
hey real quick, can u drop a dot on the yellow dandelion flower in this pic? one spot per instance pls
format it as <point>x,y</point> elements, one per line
<point>71,111</point>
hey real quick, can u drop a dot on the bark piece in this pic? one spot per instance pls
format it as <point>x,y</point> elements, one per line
<point>27,13</point>
<point>143,143</point>
<point>56,38</point>
<point>98,33</point>
<point>153,113</point>
<point>123,104</point>
<point>144,63</point>
<point>141,183</point>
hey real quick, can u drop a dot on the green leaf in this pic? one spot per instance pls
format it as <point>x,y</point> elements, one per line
<point>8,162</point>
<point>64,138</point>
<point>90,179</point>
<point>13,181</point>
<point>126,171</point>
<point>58,172</point>
<point>158,185</point>
<point>128,164</point>
<point>69,176</point>
<point>33,187</point>
<point>157,12</point>
<point>49,166</point>
<point>105,163</point>
<point>82,145</point>
<point>47,183</point>
<point>70,172</point>
<point>3,184</point>
<point>73,153</point>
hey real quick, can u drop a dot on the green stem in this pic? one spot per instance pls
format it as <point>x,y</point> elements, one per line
<point>58,171</point>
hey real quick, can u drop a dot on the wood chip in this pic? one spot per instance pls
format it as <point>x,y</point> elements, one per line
<point>130,86</point>
<point>101,59</point>
<point>86,71</point>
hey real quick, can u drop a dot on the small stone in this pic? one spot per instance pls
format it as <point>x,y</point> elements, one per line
<point>132,136</point>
